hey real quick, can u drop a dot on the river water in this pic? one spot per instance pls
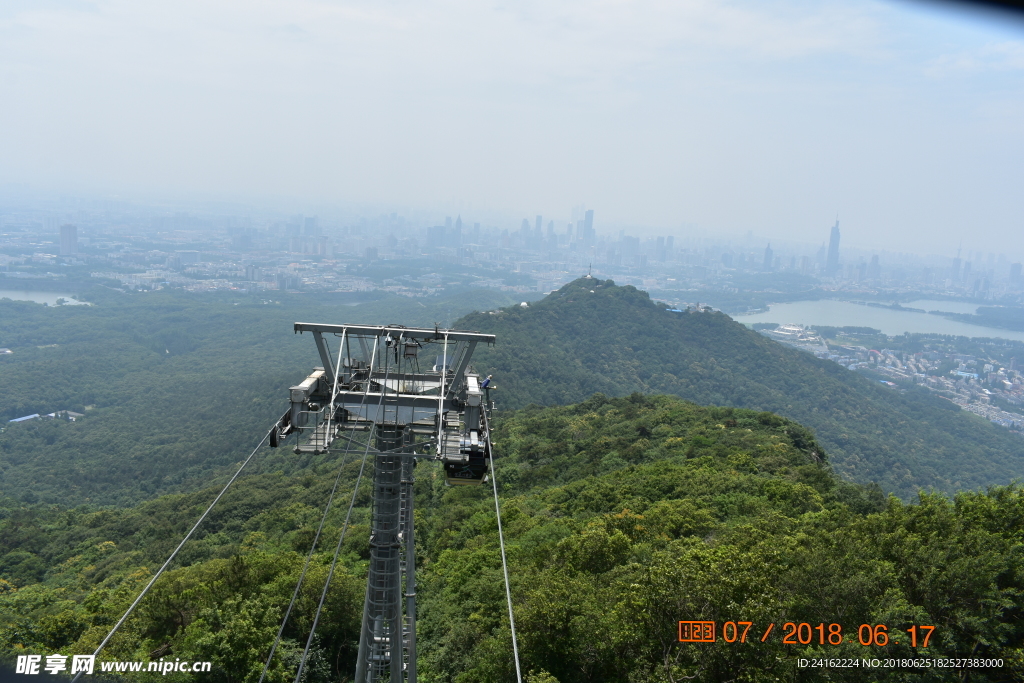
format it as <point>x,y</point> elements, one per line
<point>39,297</point>
<point>844,313</point>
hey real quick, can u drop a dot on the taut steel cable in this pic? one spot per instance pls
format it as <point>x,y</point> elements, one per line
<point>175,553</point>
<point>501,541</point>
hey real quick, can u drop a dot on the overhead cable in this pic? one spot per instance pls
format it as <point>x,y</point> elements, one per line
<point>166,564</point>
<point>501,541</point>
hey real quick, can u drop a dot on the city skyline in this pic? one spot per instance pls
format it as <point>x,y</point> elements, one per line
<point>149,247</point>
<point>717,119</point>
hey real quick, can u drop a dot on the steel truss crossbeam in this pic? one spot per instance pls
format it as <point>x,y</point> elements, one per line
<point>416,333</point>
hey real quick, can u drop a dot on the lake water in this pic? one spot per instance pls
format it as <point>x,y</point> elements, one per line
<point>843,313</point>
<point>40,297</point>
<point>944,306</point>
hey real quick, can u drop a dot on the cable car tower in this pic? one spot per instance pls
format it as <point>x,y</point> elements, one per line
<point>413,391</point>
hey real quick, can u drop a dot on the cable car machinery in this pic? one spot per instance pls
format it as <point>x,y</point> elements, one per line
<point>411,414</point>
<point>376,384</point>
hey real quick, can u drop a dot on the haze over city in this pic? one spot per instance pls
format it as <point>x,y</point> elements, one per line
<point>679,118</point>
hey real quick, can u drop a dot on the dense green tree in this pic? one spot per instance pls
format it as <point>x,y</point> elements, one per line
<point>622,517</point>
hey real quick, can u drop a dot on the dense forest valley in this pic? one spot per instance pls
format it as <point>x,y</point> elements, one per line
<point>653,467</point>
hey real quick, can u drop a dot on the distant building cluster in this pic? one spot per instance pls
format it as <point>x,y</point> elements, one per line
<point>971,383</point>
<point>419,254</point>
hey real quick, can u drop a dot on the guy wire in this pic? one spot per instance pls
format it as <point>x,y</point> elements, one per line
<point>501,541</point>
<point>175,553</point>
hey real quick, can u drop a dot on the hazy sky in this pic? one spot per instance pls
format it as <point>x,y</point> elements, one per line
<point>907,119</point>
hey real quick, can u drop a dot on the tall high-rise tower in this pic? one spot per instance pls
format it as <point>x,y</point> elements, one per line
<point>68,240</point>
<point>455,239</point>
<point>832,263</point>
<point>768,254</point>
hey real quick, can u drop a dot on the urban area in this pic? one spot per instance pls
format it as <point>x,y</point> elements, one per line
<point>964,379</point>
<point>146,248</point>
<point>133,247</point>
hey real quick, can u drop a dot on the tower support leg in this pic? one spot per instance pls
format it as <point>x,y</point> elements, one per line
<point>409,637</point>
<point>385,636</point>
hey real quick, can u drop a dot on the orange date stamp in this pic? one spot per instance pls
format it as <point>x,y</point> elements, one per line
<point>800,633</point>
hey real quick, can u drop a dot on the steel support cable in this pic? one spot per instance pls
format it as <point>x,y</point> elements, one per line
<point>341,538</point>
<point>440,397</point>
<point>174,554</point>
<point>334,391</point>
<point>501,541</point>
<point>323,520</point>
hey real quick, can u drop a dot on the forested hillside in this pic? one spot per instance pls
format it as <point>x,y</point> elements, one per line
<point>174,386</point>
<point>622,517</point>
<point>592,336</point>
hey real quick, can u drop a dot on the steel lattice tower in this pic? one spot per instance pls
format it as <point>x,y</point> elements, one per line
<point>413,414</point>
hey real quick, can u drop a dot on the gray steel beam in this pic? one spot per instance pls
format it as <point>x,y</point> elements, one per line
<point>460,371</point>
<point>408,332</point>
<point>347,398</point>
<point>404,409</point>
<point>325,354</point>
<point>366,350</point>
<point>434,377</point>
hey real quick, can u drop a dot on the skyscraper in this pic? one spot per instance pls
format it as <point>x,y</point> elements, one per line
<point>588,228</point>
<point>832,264</point>
<point>435,236</point>
<point>455,238</point>
<point>874,269</point>
<point>68,240</point>
<point>957,263</point>
<point>768,254</point>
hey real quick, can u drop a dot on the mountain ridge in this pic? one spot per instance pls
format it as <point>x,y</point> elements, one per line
<point>594,336</point>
